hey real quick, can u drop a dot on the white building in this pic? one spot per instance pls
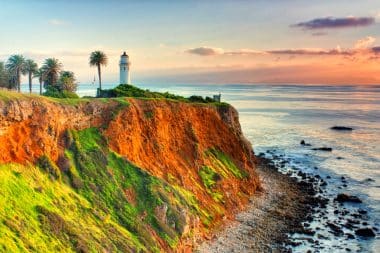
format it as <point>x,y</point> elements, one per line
<point>124,64</point>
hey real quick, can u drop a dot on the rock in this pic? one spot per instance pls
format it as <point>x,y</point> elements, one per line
<point>350,236</point>
<point>341,128</point>
<point>303,143</point>
<point>309,232</point>
<point>343,197</point>
<point>365,232</point>
<point>350,224</point>
<point>357,215</point>
<point>336,229</point>
<point>362,211</point>
<point>323,149</point>
<point>322,237</point>
<point>339,158</point>
<point>161,211</point>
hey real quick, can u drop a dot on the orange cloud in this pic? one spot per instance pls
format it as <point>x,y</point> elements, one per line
<point>365,42</point>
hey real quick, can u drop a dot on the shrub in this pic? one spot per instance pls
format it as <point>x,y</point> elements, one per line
<point>64,88</point>
<point>49,167</point>
<point>127,90</point>
<point>55,93</point>
<point>197,99</point>
<point>209,177</point>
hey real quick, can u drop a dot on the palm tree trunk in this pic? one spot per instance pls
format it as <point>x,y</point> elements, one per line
<point>30,82</point>
<point>100,77</point>
<point>40,86</point>
<point>18,81</point>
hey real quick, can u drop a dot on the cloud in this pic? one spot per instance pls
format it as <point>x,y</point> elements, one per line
<point>210,51</point>
<point>245,51</point>
<point>376,50</point>
<point>57,22</point>
<point>331,22</point>
<point>308,51</point>
<point>319,34</point>
<point>205,51</point>
<point>365,42</point>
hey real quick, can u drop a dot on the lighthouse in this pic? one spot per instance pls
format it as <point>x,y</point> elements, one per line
<point>124,69</point>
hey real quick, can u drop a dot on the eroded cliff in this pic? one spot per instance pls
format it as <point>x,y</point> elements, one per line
<point>118,174</point>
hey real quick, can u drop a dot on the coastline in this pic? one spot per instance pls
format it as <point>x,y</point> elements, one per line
<point>282,208</point>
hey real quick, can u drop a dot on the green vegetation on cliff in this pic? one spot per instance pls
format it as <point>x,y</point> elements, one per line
<point>127,90</point>
<point>221,167</point>
<point>92,199</point>
<point>83,196</point>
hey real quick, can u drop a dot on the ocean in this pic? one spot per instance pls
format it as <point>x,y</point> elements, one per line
<point>275,118</point>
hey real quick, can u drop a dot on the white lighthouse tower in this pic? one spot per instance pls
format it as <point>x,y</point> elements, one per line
<point>124,69</point>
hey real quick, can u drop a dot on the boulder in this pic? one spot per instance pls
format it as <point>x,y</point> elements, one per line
<point>365,232</point>
<point>323,149</point>
<point>341,128</point>
<point>336,229</point>
<point>343,197</point>
<point>303,143</point>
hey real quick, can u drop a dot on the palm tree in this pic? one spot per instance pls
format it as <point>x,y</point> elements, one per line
<point>15,66</point>
<point>4,79</point>
<point>98,58</point>
<point>40,74</point>
<point>30,68</point>
<point>52,67</point>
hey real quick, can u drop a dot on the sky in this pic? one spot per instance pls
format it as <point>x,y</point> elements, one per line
<point>201,41</point>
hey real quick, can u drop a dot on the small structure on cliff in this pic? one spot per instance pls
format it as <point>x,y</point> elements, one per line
<point>124,64</point>
<point>217,98</point>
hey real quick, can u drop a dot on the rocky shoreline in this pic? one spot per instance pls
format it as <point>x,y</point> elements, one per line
<point>284,207</point>
<point>293,214</point>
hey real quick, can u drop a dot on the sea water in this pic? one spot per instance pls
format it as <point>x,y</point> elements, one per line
<point>275,118</point>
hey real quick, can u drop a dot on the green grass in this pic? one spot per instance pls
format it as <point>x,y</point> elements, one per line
<point>104,178</point>
<point>127,90</point>
<point>85,208</point>
<point>100,201</point>
<point>8,95</point>
<point>68,101</point>
<point>41,215</point>
<point>225,164</point>
<point>221,167</point>
<point>210,178</point>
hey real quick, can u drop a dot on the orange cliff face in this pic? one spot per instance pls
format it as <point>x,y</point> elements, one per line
<point>31,127</point>
<point>171,139</point>
<point>185,144</point>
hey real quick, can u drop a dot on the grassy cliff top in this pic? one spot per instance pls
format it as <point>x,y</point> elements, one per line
<point>121,91</point>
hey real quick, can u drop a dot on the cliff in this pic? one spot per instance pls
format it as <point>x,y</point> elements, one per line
<point>108,175</point>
